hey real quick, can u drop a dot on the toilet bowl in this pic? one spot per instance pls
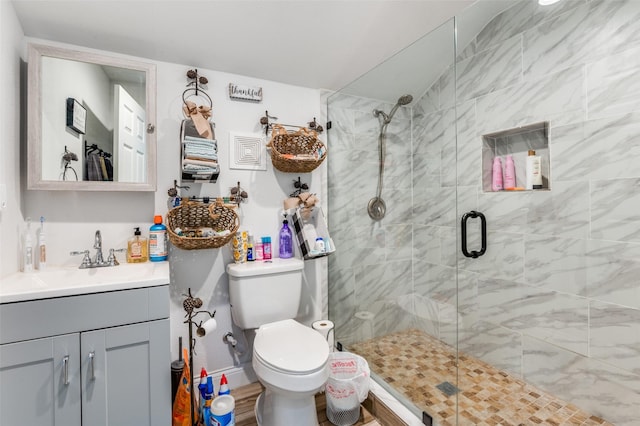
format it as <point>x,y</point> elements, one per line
<point>290,360</point>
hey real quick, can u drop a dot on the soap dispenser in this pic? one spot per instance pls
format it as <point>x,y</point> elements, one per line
<point>286,240</point>
<point>137,248</point>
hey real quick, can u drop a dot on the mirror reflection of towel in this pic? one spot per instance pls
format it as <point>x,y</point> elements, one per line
<point>93,167</point>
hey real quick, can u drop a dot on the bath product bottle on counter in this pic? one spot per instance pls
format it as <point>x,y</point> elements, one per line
<point>137,248</point>
<point>509,173</point>
<point>27,249</point>
<point>286,240</point>
<point>266,248</point>
<point>533,171</point>
<point>258,252</point>
<point>496,181</point>
<point>42,247</point>
<point>250,254</point>
<point>157,240</point>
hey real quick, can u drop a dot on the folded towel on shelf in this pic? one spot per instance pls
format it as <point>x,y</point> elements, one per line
<point>200,140</point>
<point>201,157</point>
<point>199,163</point>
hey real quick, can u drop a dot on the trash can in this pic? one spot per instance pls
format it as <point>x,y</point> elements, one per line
<point>346,387</point>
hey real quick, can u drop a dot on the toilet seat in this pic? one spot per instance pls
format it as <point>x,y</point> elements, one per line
<point>290,348</point>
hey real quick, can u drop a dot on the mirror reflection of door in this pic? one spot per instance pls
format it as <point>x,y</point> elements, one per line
<point>130,143</point>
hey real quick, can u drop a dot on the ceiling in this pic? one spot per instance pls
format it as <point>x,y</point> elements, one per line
<point>310,43</point>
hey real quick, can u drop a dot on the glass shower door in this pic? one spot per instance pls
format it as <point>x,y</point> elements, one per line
<point>392,176</point>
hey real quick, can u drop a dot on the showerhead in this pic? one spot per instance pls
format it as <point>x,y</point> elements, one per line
<point>405,100</point>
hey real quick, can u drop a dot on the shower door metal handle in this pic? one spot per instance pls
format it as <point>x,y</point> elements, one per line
<point>463,234</point>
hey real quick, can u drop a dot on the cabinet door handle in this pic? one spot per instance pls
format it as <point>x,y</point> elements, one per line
<point>92,356</point>
<point>483,234</point>
<point>65,367</point>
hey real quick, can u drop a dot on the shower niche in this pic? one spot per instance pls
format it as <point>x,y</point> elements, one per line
<point>517,142</point>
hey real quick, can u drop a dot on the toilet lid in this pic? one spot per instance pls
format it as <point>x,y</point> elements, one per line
<point>291,347</point>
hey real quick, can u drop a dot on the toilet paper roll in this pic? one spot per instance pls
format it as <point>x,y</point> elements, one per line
<point>207,327</point>
<point>365,325</point>
<point>326,328</point>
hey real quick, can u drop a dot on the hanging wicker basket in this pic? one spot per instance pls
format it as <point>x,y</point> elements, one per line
<point>296,152</point>
<point>185,225</point>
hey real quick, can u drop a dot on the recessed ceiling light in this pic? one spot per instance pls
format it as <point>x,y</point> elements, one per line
<point>547,2</point>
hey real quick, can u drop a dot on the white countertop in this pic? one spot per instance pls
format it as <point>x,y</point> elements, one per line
<point>72,281</point>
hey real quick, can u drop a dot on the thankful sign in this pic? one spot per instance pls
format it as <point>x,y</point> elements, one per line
<point>247,93</point>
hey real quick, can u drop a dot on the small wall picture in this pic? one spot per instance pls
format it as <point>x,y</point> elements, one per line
<point>76,115</point>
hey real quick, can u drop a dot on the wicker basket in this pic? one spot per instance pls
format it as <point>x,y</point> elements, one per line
<point>191,216</point>
<point>285,146</point>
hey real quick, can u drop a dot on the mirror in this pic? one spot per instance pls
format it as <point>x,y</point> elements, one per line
<point>91,121</point>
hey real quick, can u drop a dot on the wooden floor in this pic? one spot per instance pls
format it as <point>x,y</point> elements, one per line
<point>246,396</point>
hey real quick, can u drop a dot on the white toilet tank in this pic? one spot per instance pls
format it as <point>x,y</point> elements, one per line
<point>264,291</point>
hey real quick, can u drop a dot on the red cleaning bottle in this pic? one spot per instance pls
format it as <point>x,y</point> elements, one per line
<point>224,387</point>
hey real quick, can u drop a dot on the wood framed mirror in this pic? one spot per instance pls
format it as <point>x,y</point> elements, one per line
<point>91,121</point>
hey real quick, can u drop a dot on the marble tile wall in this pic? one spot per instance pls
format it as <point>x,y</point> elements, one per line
<point>556,298</point>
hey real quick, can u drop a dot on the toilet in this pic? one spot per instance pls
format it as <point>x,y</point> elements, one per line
<point>289,358</point>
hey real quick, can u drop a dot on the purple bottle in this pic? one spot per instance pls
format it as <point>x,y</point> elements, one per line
<point>286,240</point>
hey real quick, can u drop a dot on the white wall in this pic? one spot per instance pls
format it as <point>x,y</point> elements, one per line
<point>73,217</point>
<point>11,35</point>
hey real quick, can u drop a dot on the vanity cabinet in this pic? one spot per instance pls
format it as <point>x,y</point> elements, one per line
<point>97,359</point>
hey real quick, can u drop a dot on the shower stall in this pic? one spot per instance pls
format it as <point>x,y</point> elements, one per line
<point>481,307</point>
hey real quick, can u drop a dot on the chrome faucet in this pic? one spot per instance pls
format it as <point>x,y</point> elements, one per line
<point>99,261</point>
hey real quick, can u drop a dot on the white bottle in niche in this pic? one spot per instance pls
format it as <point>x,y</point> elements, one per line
<point>533,171</point>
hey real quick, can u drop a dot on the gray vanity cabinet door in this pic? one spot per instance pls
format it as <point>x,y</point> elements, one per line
<point>40,382</point>
<point>126,379</point>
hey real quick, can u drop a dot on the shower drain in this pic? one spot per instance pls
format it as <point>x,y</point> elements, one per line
<point>448,388</point>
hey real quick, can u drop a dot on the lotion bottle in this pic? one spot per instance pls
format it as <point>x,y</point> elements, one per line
<point>286,240</point>
<point>509,173</point>
<point>496,181</point>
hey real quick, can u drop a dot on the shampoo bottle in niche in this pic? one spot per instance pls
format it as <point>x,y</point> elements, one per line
<point>496,181</point>
<point>157,240</point>
<point>533,171</point>
<point>509,173</point>
<point>137,248</point>
<point>286,240</point>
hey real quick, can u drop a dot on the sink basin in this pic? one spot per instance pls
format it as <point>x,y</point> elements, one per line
<point>69,281</point>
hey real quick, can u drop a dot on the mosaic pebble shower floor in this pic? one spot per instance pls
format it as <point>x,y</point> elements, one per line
<point>423,369</point>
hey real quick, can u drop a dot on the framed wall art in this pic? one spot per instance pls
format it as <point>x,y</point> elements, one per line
<point>76,116</point>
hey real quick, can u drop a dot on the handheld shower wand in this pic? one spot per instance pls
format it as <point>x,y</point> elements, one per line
<point>377,207</point>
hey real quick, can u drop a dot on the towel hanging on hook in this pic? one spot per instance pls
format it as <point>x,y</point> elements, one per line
<point>200,114</point>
